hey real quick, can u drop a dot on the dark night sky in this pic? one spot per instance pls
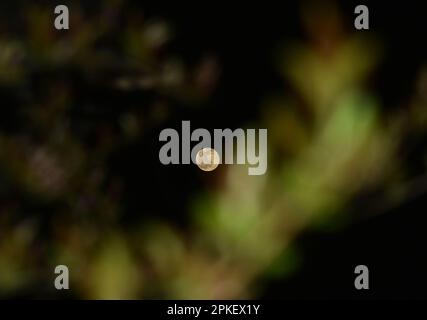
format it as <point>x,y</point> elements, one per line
<point>391,244</point>
<point>244,38</point>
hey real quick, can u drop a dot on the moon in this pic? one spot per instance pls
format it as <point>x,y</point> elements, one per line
<point>207,159</point>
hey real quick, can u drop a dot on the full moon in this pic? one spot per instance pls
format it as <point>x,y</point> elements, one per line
<point>207,159</point>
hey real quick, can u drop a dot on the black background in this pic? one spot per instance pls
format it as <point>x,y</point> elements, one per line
<point>244,36</point>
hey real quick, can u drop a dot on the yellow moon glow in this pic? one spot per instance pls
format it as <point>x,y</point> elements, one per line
<point>207,159</point>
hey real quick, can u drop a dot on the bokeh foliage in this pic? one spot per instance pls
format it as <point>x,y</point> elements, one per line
<point>61,202</point>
